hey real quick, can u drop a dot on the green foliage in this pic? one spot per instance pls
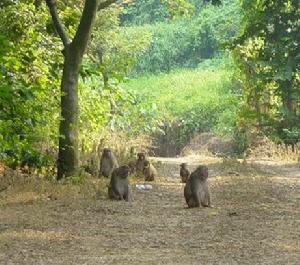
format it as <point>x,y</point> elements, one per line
<point>145,11</point>
<point>31,62</point>
<point>104,103</point>
<point>186,42</point>
<point>267,53</point>
<point>164,53</point>
<point>28,80</point>
<point>214,26</point>
<point>130,116</point>
<point>151,11</point>
<point>178,8</point>
<point>262,94</point>
<point>198,100</point>
<point>114,49</point>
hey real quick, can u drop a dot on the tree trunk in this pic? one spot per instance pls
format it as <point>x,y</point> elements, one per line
<point>68,155</point>
<point>113,107</point>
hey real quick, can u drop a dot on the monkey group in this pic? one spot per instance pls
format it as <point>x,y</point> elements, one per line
<point>141,167</point>
<point>118,188</point>
<point>196,190</point>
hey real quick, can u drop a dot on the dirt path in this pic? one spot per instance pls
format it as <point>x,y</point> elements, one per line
<point>255,220</point>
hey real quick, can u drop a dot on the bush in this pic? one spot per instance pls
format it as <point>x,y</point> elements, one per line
<point>186,42</point>
<point>191,101</point>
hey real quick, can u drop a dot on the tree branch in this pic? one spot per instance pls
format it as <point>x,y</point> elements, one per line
<point>106,4</point>
<point>57,23</point>
<point>84,29</point>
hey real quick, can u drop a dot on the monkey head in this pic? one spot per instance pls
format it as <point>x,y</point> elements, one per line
<point>106,152</point>
<point>141,156</point>
<point>183,165</point>
<point>123,171</point>
<point>202,172</point>
<point>131,165</point>
<point>146,164</point>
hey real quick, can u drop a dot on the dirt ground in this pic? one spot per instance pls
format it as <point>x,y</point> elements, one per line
<point>255,219</point>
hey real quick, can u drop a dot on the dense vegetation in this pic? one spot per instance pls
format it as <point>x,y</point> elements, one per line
<point>187,41</point>
<point>193,66</point>
<point>268,59</point>
<point>189,101</point>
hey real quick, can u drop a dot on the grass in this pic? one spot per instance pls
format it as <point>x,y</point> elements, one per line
<point>176,92</point>
<point>190,100</point>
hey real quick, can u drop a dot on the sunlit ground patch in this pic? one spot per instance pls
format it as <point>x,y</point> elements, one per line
<point>36,235</point>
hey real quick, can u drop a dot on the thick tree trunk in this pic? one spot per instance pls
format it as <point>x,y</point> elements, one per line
<point>68,156</point>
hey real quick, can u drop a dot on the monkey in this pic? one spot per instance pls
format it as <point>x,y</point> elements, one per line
<point>184,172</point>
<point>131,160</point>
<point>118,188</point>
<point>196,191</point>
<point>131,165</point>
<point>149,171</point>
<point>108,163</point>
<point>139,165</point>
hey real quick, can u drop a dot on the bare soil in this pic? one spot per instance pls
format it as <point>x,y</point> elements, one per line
<point>255,219</point>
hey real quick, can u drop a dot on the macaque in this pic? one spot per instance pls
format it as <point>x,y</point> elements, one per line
<point>118,188</point>
<point>184,172</point>
<point>139,166</point>
<point>149,171</point>
<point>108,163</point>
<point>196,192</point>
<point>131,165</point>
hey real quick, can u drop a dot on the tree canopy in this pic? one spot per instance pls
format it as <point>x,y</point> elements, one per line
<point>122,53</point>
